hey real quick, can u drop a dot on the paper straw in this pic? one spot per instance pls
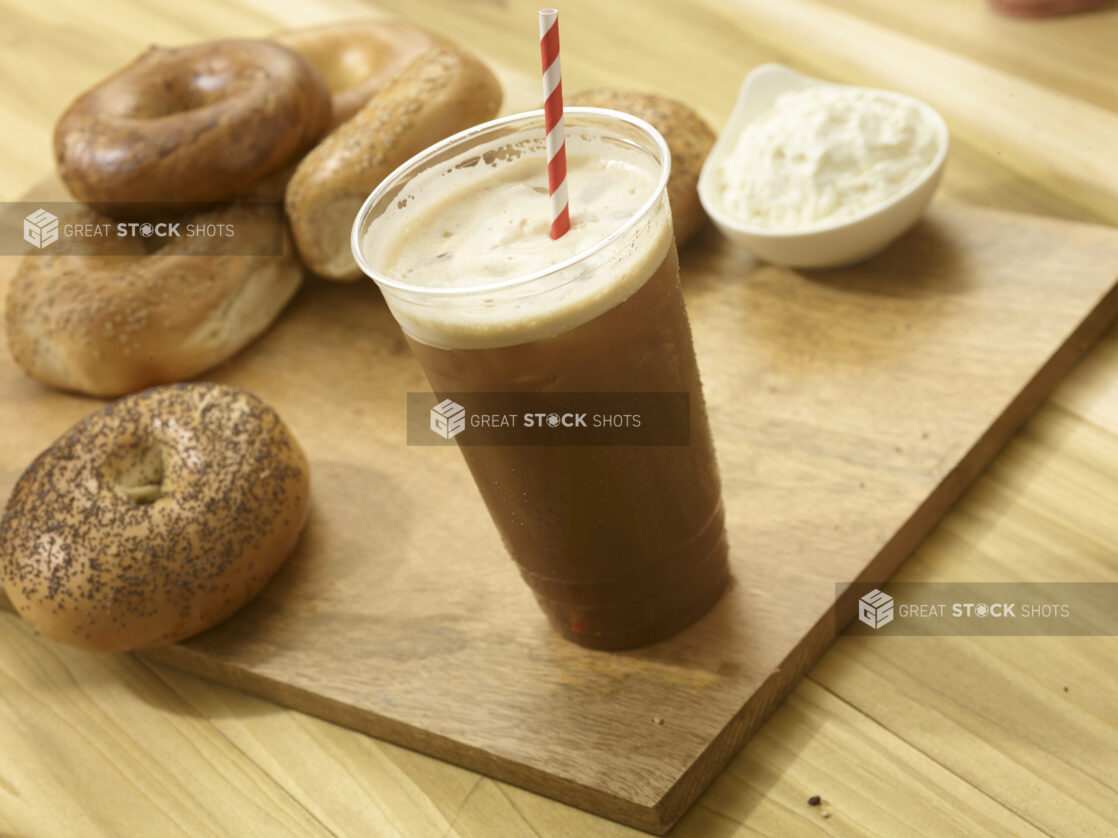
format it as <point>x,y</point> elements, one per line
<point>553,121</point>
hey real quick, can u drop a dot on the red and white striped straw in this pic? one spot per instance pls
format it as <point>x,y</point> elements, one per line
<point>553,120</point>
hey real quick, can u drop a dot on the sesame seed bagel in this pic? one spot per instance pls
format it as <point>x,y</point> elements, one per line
<point>109,317</point>
<point>688,137</point>
<point>442,92</point>
<point>358,58</point>
<point>154,518</point>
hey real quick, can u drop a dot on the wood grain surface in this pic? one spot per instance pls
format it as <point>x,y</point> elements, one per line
<point>420,631</point>
<point>924,736</point>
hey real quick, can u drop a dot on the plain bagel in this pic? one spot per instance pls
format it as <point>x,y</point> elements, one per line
<point>441,93</point>
<point>358,58</point>
<point>154,518</point>
<point>688,137</point>
<point>117,318</point>
<point>191,125</point>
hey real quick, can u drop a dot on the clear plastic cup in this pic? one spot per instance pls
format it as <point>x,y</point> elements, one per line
<point>621,544</point>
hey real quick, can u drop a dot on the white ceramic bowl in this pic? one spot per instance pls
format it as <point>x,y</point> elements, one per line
<point>826,245</point>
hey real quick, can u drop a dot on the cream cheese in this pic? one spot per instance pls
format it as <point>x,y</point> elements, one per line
<point>825,154</point>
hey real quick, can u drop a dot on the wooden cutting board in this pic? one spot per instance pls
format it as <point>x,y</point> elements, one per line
<point>850,409</point>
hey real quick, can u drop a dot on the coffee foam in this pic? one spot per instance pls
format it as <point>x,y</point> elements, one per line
<point>483,217</point>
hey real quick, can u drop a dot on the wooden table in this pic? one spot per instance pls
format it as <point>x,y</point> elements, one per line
<point>899,736</point>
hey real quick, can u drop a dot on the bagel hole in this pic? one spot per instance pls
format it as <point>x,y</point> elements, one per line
<point>178,94</point>
<point>160,103</point>
<point>154,244</point>
<point>138,475</point>
<point>350,68</point>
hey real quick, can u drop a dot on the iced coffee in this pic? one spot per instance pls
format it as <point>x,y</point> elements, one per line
<point>622,545</point>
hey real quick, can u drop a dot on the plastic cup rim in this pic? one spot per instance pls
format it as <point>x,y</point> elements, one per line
<point>523,279</point>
